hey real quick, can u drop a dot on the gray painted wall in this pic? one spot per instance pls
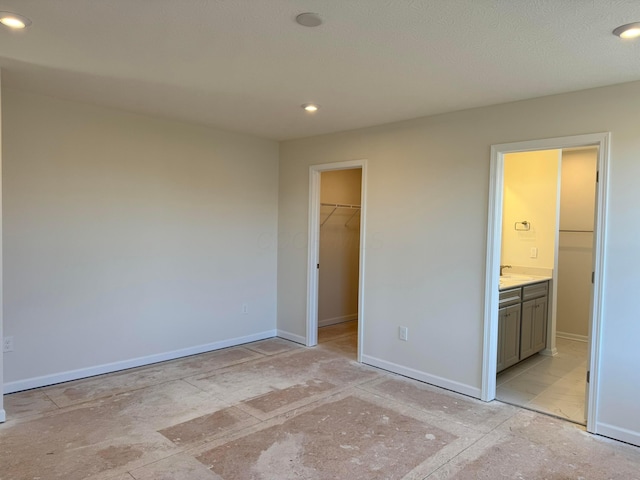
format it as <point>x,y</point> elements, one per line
<point>130,237</point>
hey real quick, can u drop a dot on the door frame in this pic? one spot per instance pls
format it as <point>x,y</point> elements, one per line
<point>313,253</point>
<point>494,240</point>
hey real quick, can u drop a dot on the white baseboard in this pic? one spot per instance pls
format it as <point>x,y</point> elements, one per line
<point>67,376</point>
<point>573,336</point>
<point>332,321</point>
<point>291,336</point>
<point>3,416</point>
<point>423,376</point>
<point>618,433</point>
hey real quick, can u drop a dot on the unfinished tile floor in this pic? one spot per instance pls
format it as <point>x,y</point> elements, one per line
<point>554,385</point>
<point>273,410</point>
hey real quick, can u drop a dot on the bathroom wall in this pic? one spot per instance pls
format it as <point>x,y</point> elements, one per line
<point>339,247</point>
<point>530,193</point>
<point>575,249</point>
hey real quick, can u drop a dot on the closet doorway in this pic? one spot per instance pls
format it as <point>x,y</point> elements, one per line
<point>336,256</point>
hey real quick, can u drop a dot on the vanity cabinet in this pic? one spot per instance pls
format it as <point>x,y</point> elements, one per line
<point>522,323</point>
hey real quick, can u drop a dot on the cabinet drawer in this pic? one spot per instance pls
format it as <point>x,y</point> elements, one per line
<point>511,296</point>
<point>536,290</point>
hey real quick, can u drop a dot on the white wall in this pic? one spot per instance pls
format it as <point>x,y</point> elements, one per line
<point>339,247</point>
<point>575,249</point>
<point>428,184</point>
<point>128,236</point>
<point>531,194</point>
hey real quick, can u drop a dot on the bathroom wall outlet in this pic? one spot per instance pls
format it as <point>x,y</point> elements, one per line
<point>534,252</point>
<point>7,344</point>
<point>245,308</point>
<point>403,333</point>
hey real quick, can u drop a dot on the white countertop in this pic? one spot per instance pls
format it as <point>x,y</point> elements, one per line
<point>513,280</point>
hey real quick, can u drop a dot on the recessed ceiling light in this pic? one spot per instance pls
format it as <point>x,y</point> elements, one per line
<point>630,30</point>
<point>311,107</point>
<point>13,20</point>
<point>309,19</point>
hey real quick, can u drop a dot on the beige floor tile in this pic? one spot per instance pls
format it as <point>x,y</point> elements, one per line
<point>513,397</point>
<point>355,435</point>
<point>533,446</point>
<point>272,346</point>
<point>553,385</point>
<point>101,438</point>
<point>123,476</point>
<point>277,402</point>
<point>442,403</point>
<point>176,467</point>
<point>249,380</point>
<point>267,411</point>
<point>79,391</point>
<point>25,404</point>
<point>527,384</point>
<point>346,346</point>
<point>76,445</point>
<point>207,427</point>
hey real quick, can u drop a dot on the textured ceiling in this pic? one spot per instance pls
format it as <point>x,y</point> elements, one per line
<point>246,66</point>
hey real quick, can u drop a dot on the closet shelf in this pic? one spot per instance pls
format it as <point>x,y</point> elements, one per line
<point>336,206</point>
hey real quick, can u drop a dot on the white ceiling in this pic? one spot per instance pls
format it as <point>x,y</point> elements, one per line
<point>246,66</point>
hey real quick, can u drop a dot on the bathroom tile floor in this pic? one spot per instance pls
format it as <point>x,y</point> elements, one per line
<point>554,385</point>
<point>274,410</point>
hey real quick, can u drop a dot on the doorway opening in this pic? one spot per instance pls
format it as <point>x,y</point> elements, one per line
<point>546,231</point>
<point>336,256</point>
<point>546,262</point>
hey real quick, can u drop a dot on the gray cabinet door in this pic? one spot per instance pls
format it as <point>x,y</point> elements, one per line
<point>534,327</point>
<point>511,353</point>
<point>508,336</point>
<point>539,332</point>
<point>526,332</point>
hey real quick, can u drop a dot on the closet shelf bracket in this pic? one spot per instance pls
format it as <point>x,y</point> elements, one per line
<point>329,216</point>
<point>351,217</point>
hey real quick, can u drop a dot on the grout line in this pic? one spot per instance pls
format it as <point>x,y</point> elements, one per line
<point>52,400</point>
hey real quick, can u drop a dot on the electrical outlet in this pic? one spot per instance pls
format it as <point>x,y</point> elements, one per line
<point>7,344</point>
<point>245,308</point>
<point>403,333</point>
<point>534,252</point>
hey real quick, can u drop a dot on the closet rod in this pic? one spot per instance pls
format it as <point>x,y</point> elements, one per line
<point>576,231</point>
<point>339,205</point>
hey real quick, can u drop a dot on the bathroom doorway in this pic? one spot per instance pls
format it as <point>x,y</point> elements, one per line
<point>538,295</point>
<point>546,262</point>
<point>336,256</point>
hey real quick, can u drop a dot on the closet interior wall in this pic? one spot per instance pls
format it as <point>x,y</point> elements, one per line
<point>339,246</point>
